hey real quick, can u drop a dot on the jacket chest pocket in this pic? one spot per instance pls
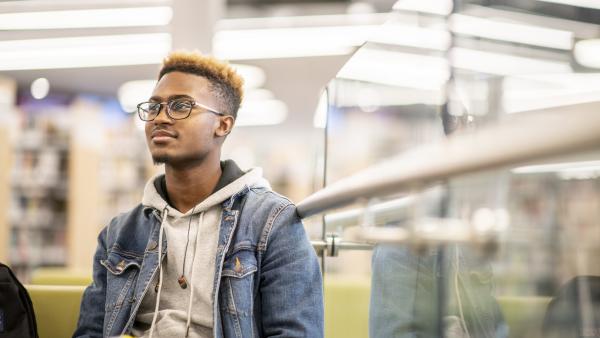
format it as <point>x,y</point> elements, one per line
<point>122,270</point>
<point>237,282</point>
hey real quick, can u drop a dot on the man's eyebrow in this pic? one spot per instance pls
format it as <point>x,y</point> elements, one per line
<point>171,98</point>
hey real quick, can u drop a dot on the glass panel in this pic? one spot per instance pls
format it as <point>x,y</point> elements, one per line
<point>504,253</point>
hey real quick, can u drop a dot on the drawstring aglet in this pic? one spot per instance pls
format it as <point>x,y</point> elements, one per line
<point>182,282</point>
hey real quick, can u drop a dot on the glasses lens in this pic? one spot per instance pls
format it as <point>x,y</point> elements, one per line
<point>180,109</point>
<point>148,110</point>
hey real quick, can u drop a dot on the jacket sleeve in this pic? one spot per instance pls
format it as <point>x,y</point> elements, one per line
<point>291,283</point>
<point>91,313</point>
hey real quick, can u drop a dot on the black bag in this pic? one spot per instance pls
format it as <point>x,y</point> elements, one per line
<point>17,319</point>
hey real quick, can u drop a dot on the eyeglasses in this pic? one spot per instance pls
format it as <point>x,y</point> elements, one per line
<point>176,109</point>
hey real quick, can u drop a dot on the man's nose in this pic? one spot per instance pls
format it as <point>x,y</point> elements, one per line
<point>162,116</point>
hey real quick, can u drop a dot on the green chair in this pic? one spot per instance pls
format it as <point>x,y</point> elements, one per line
<point>524,315</point>
<point>56,308</point>
<point>61,276</point>
<point>346,307</point>
<point>347,310</point>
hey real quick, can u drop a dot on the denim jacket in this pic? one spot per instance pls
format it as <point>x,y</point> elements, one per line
<point>276,292</point>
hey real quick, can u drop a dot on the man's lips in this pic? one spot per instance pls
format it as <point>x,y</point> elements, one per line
<point>162,135</point>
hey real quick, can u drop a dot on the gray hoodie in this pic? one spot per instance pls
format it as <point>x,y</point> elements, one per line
<point>188,312</point>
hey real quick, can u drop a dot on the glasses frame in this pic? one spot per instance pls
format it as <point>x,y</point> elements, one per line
<point>168,109</point>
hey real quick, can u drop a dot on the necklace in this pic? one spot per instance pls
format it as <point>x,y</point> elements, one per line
<point>182,280</point>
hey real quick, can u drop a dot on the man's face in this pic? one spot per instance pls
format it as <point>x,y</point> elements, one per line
<point>187,141</point>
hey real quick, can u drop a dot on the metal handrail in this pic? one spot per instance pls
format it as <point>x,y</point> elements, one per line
<point>333,244</point>
<point>517,140</point>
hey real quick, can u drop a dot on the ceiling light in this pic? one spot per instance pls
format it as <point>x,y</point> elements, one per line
<point>320,117</point>
<point>261,112</point>
<point>559,167</point>
<point>254,77</point>
<point>40,88</point>
<point>133,92</point>
<point>439,7</point>
<point>298,21</point>
<point>543,91</point>
<point>577,3</point>
<point>258,94</point>
<point>391,96</point>
<point>247,44</point>
<point>88,18</point>
<point>587,53</point>
<point>360,7</point>
<point>511,32</point>
<point>412,36</point>
<point>504,64</point>
<point>88,51</point>
<point>397,69</point>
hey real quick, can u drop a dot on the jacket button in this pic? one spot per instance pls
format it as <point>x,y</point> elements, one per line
<point>152,245</point>
<point>121,266</point>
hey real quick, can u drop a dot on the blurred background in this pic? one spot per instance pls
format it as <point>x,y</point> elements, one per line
<point>332,88</point>
<point>73,155</point>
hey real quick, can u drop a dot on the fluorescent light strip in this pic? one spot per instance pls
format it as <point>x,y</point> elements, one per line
<point>558,167</point>
<point>256,94</point>
<point>261,113</point>
<point>88,51</point>
<point>320,117</point>
<point>511,32</point>
<point>289,42</point>
<point>133,92</point>
<point>412,36</point>
<point>397,69</point>
<point>581,30</point>
<point>88,18</point>
<point>303,21</point>
<point>504,64</point>
<point>439,7</point>
<point>594,4</point>
<point>543,91</point>
<point>544,99</point>
<point>587,53</point>
<point>254,77</point>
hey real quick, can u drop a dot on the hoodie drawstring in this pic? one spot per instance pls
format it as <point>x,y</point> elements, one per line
<point>160,271</point>
<point>189,312</point>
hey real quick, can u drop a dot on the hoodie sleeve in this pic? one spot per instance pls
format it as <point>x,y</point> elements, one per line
<point>91,313</point>
<point>291,283</point>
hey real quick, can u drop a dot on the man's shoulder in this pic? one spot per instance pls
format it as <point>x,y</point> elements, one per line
<point>132,219</point>
<point>134,212</point>
<point>265,213</point>
<point>262,199</point>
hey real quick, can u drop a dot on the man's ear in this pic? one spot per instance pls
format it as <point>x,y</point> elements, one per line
<point>225,125</point>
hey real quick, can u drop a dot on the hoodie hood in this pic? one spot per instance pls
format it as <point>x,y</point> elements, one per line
<point>251,178</point>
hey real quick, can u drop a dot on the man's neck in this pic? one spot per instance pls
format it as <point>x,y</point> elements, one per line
<point>192,185</point>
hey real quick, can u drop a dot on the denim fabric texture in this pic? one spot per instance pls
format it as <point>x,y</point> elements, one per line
<point>267,281</point>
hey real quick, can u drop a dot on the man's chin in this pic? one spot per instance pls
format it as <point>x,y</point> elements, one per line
<point>176,161</point>
<point>160,159</point>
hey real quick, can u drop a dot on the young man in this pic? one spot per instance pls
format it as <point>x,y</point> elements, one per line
<point>235,260</point>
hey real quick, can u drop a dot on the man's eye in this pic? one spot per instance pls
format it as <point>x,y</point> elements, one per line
<point>153,107</point>
<point>180,106</point>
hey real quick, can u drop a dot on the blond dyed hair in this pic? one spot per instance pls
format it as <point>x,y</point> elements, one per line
<point>225,82</point>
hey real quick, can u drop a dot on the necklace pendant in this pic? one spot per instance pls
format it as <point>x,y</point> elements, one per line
<point>182,282</point>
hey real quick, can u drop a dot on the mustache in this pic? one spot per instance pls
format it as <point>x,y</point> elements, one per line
<point>159,129</point>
